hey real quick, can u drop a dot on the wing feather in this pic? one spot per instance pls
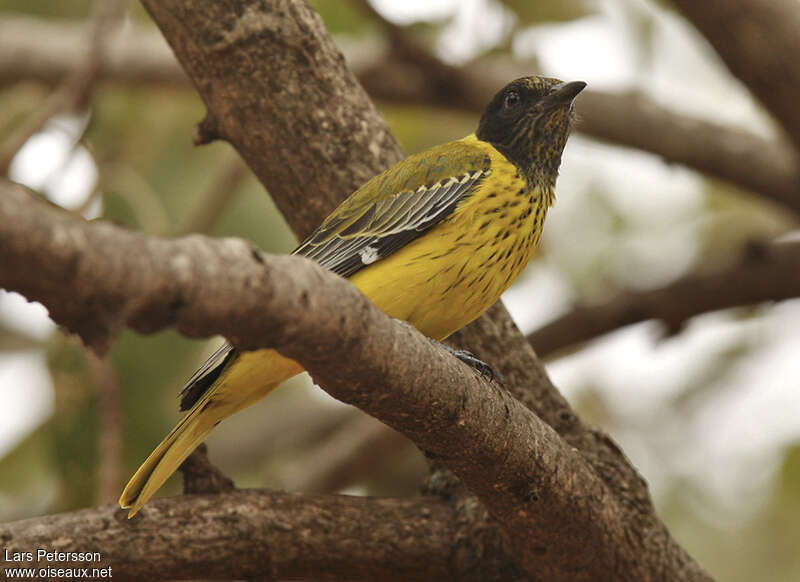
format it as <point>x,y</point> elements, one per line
<point>388,224</point>
<point>206,375</point>
<point>384,215</point>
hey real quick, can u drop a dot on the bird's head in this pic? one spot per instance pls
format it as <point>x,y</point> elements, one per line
<point>529,121</point>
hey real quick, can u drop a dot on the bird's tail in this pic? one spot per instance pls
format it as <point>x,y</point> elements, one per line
<point>167,457</point>
<point>230,393</point>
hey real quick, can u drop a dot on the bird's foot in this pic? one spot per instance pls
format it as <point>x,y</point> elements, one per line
<point>482,367</point>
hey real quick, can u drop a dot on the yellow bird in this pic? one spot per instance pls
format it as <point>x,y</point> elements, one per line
<point>434,240</point>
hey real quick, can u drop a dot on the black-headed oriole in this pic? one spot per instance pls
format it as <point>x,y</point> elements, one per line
<point>434,240</point>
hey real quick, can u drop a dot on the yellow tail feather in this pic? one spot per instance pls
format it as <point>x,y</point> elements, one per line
<point>250,378</point>
<point>167,457</point>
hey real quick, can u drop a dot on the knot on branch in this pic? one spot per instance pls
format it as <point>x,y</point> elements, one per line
<point>200,476</point>
<point>208,130</point>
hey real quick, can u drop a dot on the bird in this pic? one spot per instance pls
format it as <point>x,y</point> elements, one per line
<point>433,240</point>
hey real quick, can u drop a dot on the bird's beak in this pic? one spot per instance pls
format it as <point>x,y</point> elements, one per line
<point>564,93</point>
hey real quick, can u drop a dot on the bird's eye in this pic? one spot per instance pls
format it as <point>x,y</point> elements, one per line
<point>511,100</point>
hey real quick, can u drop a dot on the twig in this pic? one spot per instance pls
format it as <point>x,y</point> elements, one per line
<point>71,92</point>
<point>349,454</point>
<point>286,430</point>
<point>74,91</point>
<point>767,167</point>
<point>48,51</point>
<point>213,202</point>
<point>763,166</point>
<point>110,421</point>
<point>763,273</point>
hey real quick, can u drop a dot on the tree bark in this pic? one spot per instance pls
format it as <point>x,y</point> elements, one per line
<point>251,534</point>
<point>565,519</point>
<point>277,89</point>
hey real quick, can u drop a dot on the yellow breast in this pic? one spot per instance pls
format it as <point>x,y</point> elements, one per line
<point>447,278</point>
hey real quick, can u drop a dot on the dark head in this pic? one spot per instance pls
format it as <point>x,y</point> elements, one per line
<point>529,121</point>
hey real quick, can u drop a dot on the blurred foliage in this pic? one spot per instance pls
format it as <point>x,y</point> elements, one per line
<point>17,102</point>
<point>344,17</point>
<point>51,9</point>
<point>418,128</point>
<point>528,12</point>
<point>761,546</point>
<point>28,478</point>
<point>151,178</point>
<point>74,426</point>
<point>736,217</point>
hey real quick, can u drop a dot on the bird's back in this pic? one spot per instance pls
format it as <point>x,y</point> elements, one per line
<point>444,280</point>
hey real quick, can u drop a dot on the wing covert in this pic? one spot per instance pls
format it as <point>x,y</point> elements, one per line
<point>388,212</point>
<point>347,245</point>
<point>206,375</point>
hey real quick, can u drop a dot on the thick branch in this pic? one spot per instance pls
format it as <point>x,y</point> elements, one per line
<point>196,27</point>
<point>305,104</point>
<point>759,41</point>
<point>764,273</point>
<point>250,534</point>
<point>224,53</point>
<point>561,517</point>
<point>33,49</point>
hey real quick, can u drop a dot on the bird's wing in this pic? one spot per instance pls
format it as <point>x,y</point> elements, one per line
<point>396,207</point>
<point>386,213</point>
<point>206,375</point>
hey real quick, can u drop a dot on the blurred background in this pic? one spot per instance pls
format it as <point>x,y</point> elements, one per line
<point>708,409</point>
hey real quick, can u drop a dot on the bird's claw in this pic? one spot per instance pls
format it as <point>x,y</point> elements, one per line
<point>484,369</point>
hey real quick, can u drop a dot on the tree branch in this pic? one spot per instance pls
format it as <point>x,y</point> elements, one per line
<point>358,449</point>
<point>110,428</point>
<point>768,167</point>
<point>561,517</point>
<point>758,41</point>
<point>284,108</point>
<point>272,70</point>
<point>32,49</point>
<point>246,534</point>
<point>763,273</point>
<point>279,37</point>
<point>74,91</point>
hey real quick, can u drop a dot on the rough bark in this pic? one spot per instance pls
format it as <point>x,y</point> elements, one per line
<point>564,519</point>
<point>269,76</point>
<point>763,274</point>
<point>277,88</point>
<point>250,534</point>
